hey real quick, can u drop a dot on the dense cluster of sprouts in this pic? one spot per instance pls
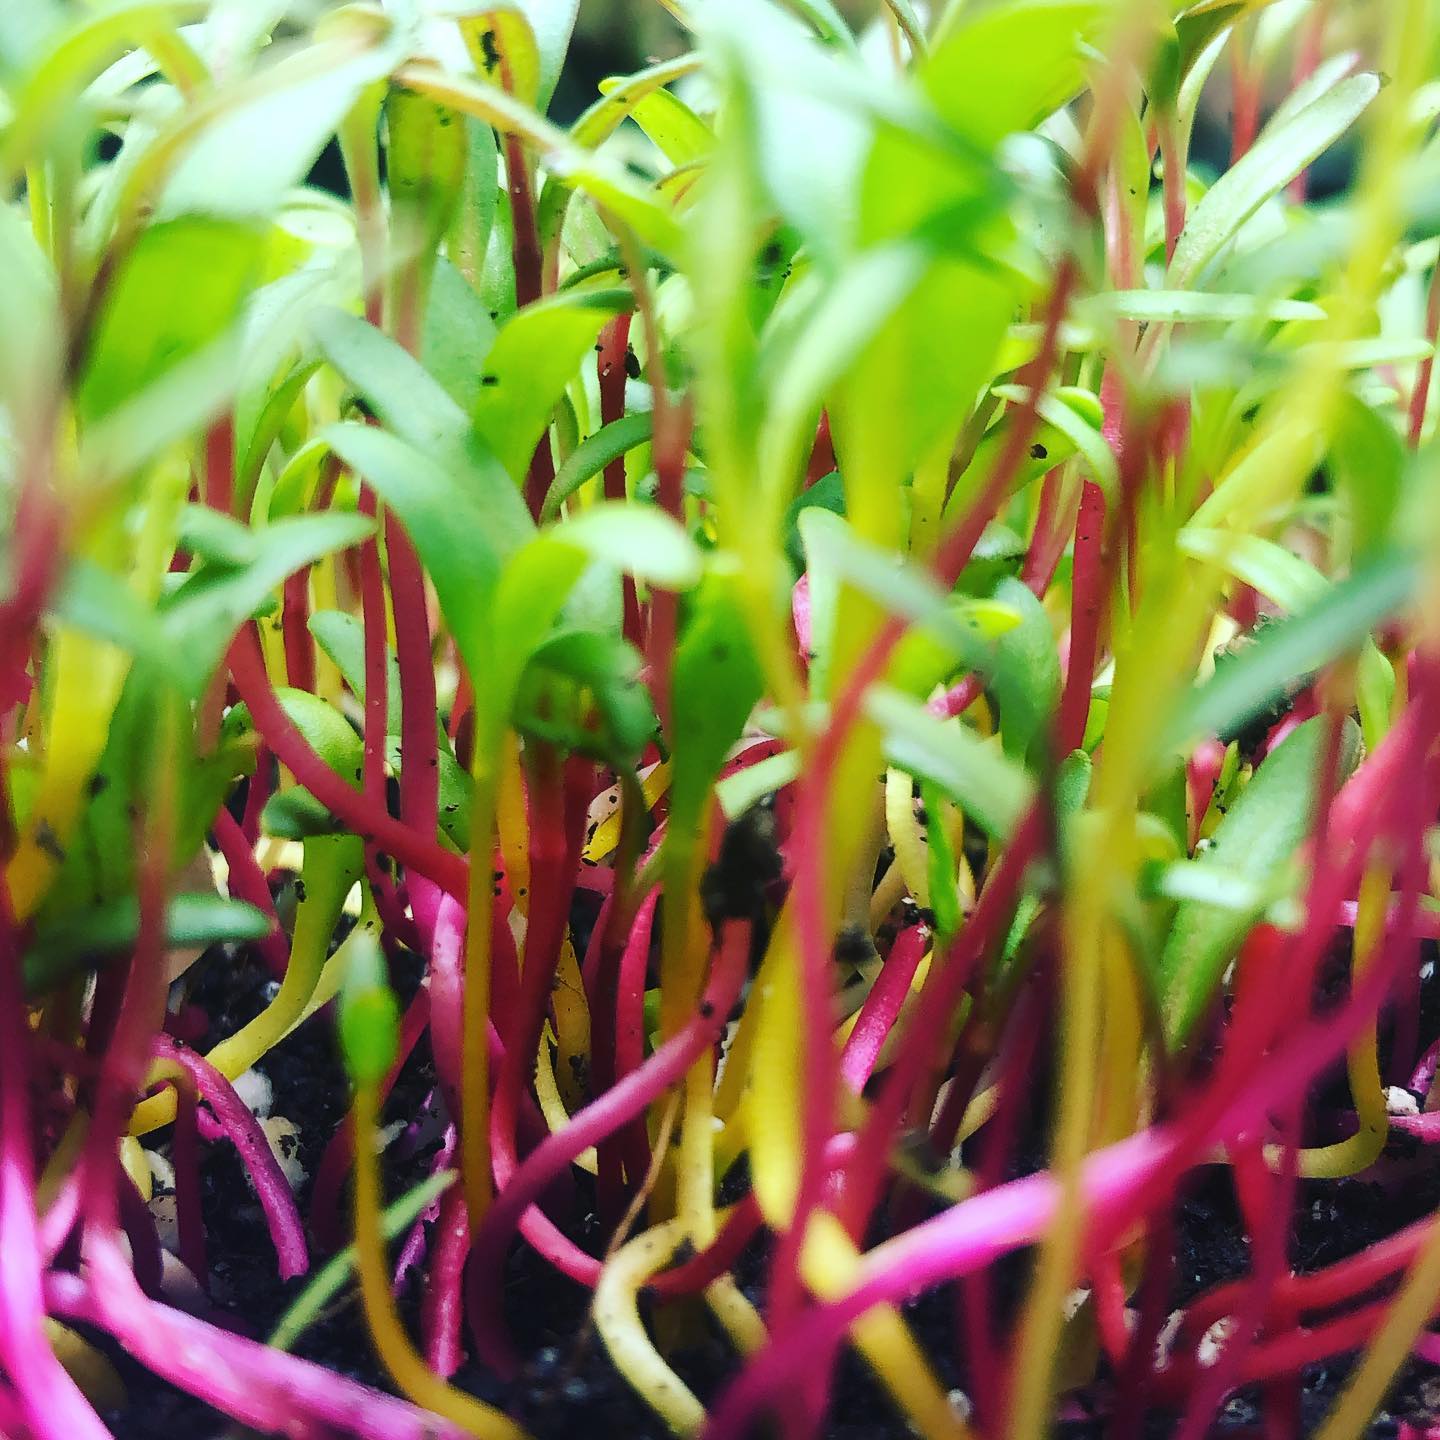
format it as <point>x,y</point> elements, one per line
<point>868,617</point>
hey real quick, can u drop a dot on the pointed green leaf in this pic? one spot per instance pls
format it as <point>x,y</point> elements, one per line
<point>1283,150</point>
<point>1259,836</point>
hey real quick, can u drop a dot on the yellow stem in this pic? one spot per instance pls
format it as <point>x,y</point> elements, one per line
<point>332,865</point>
<point>392,1344</point>
<point>1359,1151</point>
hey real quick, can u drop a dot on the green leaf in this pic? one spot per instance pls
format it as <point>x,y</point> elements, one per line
<point>1259,836</point>
<point>530,594</point>
<point>991,789</point>
<point>1282,151</point>
<point>369,1013</point>
<point>1369,460</point>
<point>222,540</point>
<point>1000,68</point>
<point>309,1306</point>
<point>941,864</point>
<point>1374,693</point>
<point>637,539</point>
<point>535,356</point>
<point>1070,412</point>
<point>503,50</point>
<point>617,98</point>
<point>910,386</point>
<point>427,156</point>
<point>608,184</point>
<point>325,729</point>
<point>295,814</point>
<point>803,118</point>
<point>1025,671</point>
<point>674,128</point>
<point>454,787</point>
<point>461,532</point>
<point>593,454</point>
<point>1194,307</point>
<point>475,215</point>
<point>253,441</point>
<point>1277,573</point>
<point>203,615</point>
<point>394,384</point>
<point>203,268</point>
<point>342,638</point>
<point>715,684</point>
<point>551,22</point>
<point>69,59</point>
<point>827,493</point>
<point>607,669</point>
<point>948,632</point>
<point>70,945</point>
<point>1258,676</point>
<point>265,136</point>
<point>458,332</point>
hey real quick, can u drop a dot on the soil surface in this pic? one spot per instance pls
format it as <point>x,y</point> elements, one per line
<point>569,1386</point>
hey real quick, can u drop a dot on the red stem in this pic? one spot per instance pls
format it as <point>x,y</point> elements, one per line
<point>1420,396</point>
<point>185,1155</point>
<point>248,883</point>
<point>356,811</point>
<point>1173,164</point>
<point>610,362</point>
<point>1245,120</point>
<point>295,624</point>
<point>603,1116</point>
<point>220,465</point>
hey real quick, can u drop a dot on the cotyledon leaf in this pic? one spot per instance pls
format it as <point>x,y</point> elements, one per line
<point>1259,836</point>
<point>1282,151</point>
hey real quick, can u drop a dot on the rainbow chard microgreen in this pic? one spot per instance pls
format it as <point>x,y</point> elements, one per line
<point>661,725</point>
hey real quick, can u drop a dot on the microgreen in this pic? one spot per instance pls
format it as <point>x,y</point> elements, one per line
<point>813,680</point>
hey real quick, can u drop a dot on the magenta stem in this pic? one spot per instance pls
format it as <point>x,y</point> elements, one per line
<point>52,1407</point>
<point>252,1383</point>
<point>882,1007</point>
<point>271,1188</point>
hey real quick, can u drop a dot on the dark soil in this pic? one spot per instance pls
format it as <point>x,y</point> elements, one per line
<point>569,1386</point>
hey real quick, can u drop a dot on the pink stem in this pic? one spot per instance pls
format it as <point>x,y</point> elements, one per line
<point>256,794</point>
<point>51,1405</point>
<point>614,352</point>
<point>443,1308</point>
<point>419,772</point>
<point>1087,612</point>
<point>220,465</point>
<point>271,1188</point>
<point>1173,163</point>
<point>882,1007</point>
<point>254,1384</point>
